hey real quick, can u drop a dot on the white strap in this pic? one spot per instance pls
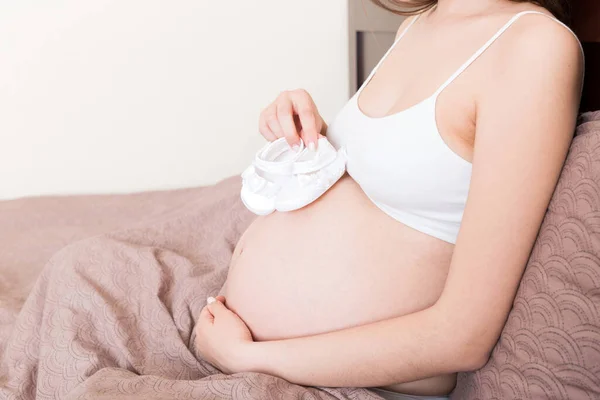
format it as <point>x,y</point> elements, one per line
<point>492,40</point>
<point>411,23</point>
<point>322,157</point>
<point>264,159</point>
<point>317,164</point>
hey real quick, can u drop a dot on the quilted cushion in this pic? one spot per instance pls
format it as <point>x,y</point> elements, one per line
<point>550,346</point>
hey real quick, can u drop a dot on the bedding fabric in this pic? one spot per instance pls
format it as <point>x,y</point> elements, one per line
<point>550,346</point>
<point>111,317</point>
<point>33,229</point>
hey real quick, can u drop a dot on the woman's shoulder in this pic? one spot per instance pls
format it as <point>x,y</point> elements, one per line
<point>538,41</point>
<point>540,29</point>
<point>405,24</point>
<point>537,59</point>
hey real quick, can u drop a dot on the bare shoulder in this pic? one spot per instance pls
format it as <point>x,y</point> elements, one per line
<point>404,25</point>
<point>539,42</point>
<point>538,70</point>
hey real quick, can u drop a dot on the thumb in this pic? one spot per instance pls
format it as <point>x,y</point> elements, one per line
<point>215,307</point>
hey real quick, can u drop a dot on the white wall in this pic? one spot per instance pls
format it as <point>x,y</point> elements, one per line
<point>127,95</point>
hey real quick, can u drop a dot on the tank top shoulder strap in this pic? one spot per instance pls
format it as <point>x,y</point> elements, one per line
<point>387,53</point>
<point>491,41</point>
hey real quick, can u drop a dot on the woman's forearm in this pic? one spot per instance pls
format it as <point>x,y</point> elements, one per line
<point>398,350</point>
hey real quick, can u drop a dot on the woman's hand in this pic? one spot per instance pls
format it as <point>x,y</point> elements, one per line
<point>292,115</point>
<point>222,338</point>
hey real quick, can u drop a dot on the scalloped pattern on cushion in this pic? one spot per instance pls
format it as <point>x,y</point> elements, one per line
<point>550,346</point>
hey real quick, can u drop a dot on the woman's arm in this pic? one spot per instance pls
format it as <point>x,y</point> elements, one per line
<point>525,122</point>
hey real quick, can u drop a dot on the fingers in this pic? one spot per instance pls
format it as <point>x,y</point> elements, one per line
<point>272,121</point>
<point>307,112</point>
<point>263,127</point>
<point>309,128</point>
<point>206,312</point>
<point>216,307</point>
<point>206,315</point>
<point>294,116</point>
<point>285,116</point>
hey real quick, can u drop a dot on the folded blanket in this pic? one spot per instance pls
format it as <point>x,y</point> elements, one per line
<point>33,229</point>
<point>111,317</point>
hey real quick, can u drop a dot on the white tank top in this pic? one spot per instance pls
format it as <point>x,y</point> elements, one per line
<point>402,163</point>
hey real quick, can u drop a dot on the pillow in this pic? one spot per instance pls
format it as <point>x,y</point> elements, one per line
<point>550,346</point>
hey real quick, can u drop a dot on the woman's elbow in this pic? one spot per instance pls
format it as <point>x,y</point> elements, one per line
<point>474,359</point>
<point>473,355</point>
<point>467,346</point>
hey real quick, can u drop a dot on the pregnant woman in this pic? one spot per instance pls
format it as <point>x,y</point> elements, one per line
<point>404,272</point>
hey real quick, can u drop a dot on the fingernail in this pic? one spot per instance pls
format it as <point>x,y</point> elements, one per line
<point>312,146</point>
<point>210,300</point>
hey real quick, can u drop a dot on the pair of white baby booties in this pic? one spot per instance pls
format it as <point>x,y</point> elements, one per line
<point>283,178</point>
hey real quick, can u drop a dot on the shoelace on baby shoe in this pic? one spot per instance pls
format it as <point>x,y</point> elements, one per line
<point>286,179</point>
<point>320,178</point>
<point>262,180</point>
<point>266,158</point>
<point>257,183</point>
<point>313,173</point>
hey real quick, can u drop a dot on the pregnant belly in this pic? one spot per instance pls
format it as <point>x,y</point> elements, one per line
<point>338,263</point>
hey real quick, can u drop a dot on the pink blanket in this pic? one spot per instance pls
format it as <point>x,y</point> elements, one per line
<point>111,316</point>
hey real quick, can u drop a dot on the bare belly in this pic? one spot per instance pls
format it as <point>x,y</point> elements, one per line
<point>338,263</point>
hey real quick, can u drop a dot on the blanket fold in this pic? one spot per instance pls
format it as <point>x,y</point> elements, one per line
<point>111,317</point>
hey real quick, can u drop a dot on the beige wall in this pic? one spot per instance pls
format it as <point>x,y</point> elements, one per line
<point>127,95</point>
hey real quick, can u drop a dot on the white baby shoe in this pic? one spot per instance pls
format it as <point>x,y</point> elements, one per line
<point>285,179</point>
<point>262,180</point>
<point>313,173</point>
